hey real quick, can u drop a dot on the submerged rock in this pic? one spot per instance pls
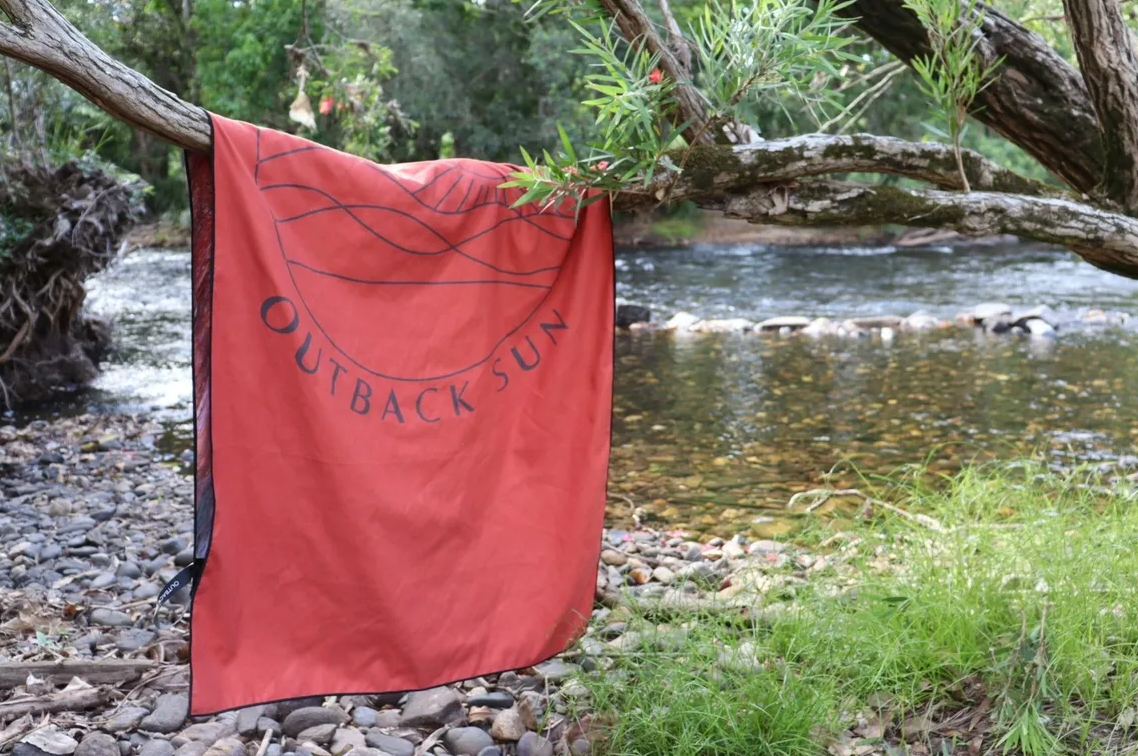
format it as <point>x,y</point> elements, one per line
<point>920,321</point>
<point>987,310</point>
<point>793,322</point>
<point>681,321</point>
<point>728,325</point>
<point>627,314</point>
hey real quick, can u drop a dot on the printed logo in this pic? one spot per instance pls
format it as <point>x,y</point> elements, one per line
<point>409,275</point>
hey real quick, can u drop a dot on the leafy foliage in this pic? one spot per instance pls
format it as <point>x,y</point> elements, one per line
<point>952,75</point>
<point>749,56</point>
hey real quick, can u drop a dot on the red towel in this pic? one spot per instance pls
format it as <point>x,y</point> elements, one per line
<point>402,396</point>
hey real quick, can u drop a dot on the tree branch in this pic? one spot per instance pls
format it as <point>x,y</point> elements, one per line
<point>676,36</point>
<point>1038,100</point>
<point>638,29</point>
<point>715,169</point>
<point>1105,239</point>
<point>1107,58</point>
<point>41,37</point>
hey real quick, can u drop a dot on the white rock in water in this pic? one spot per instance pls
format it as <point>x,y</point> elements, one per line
<point>991,310</point>
<point>1043,313</point>
<point>919,321</point>
<point>819,327</point>
<point>681,321</point>
<point>729,325</point>
<point>1099,316</point>
<point>1038,327</point>
<point>786,321</point>
<point>886,334</point>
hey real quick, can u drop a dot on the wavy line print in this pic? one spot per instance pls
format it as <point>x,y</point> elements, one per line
<point>337,205</point>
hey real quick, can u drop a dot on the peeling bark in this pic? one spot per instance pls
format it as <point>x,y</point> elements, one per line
<point>1109,63</point>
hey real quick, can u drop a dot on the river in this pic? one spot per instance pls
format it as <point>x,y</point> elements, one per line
<point>715,432</point>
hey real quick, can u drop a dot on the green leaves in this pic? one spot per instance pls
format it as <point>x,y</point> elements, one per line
<point>769,52</point>
<point>747,56</point>
<point>952,75</point>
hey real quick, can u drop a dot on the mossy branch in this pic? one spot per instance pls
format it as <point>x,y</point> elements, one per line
<point>713,169</point>
<point>1106,239</point>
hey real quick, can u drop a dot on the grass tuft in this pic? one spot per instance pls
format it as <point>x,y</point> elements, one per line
<point>1016,632</point>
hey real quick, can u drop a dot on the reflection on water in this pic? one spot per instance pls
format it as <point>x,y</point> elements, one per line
<point>709,429</point>
<point>718,431</point>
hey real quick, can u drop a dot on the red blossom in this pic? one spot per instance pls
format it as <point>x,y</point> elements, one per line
<point>326,103</point>
<point>656,76</point>
<point>603,165</point>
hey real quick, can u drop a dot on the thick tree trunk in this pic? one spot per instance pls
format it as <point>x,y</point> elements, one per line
<point>1038,100</point>
<point>1109,63</point>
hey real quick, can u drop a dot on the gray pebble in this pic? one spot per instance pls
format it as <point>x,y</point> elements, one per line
<point>209,732</point>
<point>133,639</point>
<point>226,747</point>
<point>364,716</point>
<point>432,708</point>
<point>125,719</point>
<point>490,751</point>
<point>156,748</point>
<point>533,744</point>
<point>467,741</point>
<point>389,743</point>
<point>27,749</point>
<point>311,716</point>
<point>169,714</point>
<point>130,570</point>
<point>98,744</point>
<point>498,699</point>
<point>193,748</point>
<point>345,739</point>
<point>146,590</point>
<point>320,734</point>
<point>247,720</point>
<point>388,718</point>
<point>172,545</point>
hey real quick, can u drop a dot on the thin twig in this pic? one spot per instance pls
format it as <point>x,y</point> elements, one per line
<point>265,742</point>
<point>822,495</point>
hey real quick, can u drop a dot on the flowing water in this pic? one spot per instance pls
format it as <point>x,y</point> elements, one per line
<point>716,432</point>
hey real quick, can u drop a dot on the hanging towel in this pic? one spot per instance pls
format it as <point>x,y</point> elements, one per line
<point>402,398</point>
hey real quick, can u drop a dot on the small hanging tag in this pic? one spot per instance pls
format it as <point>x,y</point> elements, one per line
<point>180,580</point>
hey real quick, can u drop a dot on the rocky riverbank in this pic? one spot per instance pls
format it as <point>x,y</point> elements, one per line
<point>94,520</point>
<point>989,317</point>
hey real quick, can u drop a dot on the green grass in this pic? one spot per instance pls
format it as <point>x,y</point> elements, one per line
<point>1026,607</point>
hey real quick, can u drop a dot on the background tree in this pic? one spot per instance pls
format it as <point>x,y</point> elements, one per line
<point>1078,126</point>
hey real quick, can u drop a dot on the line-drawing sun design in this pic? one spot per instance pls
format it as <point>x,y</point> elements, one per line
<point>415,272</point>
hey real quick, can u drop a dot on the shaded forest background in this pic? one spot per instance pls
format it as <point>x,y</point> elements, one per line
<point>395,81</point>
